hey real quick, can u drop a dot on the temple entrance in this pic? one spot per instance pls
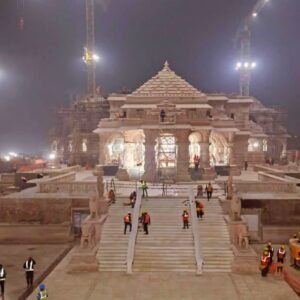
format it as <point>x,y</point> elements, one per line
<point>218,149</point>
<point>166,155</point>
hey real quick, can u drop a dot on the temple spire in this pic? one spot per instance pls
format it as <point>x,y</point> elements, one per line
<point>166,66</point>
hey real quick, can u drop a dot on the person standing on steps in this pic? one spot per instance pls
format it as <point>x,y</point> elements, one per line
<point>209,191</point>
<point>146,222</point>
<point>144,189</point>
<point>199,209</point>
<point>127,222</point>
<point>132,199</point>
<point>264,264</point>
<point>185,219</point>
<point>29,271</point>
<point>2,280</point>
<point>270,250</point>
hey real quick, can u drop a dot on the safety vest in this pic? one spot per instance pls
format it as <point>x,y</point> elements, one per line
<point>264,261</point>
<point>185,217</point>
<point>281,254</point>
<point>43,295</point>
<point>29,265</point>
<point>2,274</point>
<point>127,219</point>
<point>146,219</point>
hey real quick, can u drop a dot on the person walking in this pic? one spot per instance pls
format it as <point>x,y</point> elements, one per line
<point>127,222</point>
<point>2,280</point>
<point>42,294</point>
<point>209,191</point>
<point>132,198</point>
<point>29,271</point>
<point>185,219</point>
<point>264,264</point>
<point>281,253</point>
<point>146,222</point>
<point>246,165</point>
<point>270,250</point>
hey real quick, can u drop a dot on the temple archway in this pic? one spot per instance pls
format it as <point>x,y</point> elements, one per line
<point>218,149</point>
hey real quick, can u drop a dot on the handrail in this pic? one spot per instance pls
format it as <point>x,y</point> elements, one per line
<point>195,229</point>
<point>133,234</point>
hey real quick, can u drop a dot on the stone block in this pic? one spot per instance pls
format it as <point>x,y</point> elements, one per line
<point>123,175</point>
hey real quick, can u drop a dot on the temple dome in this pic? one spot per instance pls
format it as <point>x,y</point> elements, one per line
<point>166,83</point>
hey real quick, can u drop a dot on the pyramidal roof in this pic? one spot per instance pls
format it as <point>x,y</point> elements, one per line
<point>166,83</point>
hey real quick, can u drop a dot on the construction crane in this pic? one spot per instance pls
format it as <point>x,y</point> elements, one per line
<point>90,57</point>
<point>246,64</point>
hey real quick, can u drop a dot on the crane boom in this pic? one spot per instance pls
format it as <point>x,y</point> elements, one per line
<point>90,47</point>
<point>243,36</point>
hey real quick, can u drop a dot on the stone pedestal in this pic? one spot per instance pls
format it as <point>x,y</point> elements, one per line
<point>208,173</point>
<point>235,170</point>
<point>123,175</point>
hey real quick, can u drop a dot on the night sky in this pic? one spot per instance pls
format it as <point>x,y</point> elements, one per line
<point>41,67</point>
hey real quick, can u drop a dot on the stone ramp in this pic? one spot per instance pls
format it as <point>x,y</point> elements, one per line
<point>214,238</point>
<point>167,248</point>
<point>112,251</point>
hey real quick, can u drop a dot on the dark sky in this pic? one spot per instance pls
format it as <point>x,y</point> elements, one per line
<point>41,66</point>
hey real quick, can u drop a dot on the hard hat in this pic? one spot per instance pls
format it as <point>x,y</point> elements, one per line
<point>282,247</point>
<point>269,244</point>
<point>42,286</point>
<point>266,252</point>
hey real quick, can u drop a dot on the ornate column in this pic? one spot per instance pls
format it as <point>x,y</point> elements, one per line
<point>183,143</point>
<point>208,173</point>
<point>204,150</point>
<point>235,169</point>
<point>102,141</point>
<point>149,159</point>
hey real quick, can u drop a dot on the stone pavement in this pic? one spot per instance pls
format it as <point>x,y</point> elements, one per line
<point>163,286</point>
<point>13,257</point>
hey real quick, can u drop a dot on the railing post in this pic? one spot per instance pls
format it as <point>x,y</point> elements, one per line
<point>197,245</point>
<point>133,234</point>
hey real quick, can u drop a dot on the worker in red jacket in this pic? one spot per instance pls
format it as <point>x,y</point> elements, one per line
<point>127,222</point>
<point>185,219</point>
<point>264,263</point>
<point>146,222</point>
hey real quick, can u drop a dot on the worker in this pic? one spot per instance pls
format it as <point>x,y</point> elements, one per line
<point>112,196</point>
<point>2,280</point>
<point>127,222</point>
<point>185,219</point>
<point>199,209</point>
<point>199,191</point>
<point>281,253</point>
<point>264,264</point>
<point>42,294</point>
<point>146,222</point>
<point>196,161</point>
<point>209,191</point>
<point>271,252</point>
<point>132,198</point>
<point>144,188</point>
<point>29,271</point>
<point>162,116</point>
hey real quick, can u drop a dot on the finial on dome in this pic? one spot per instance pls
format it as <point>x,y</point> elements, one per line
<point>166,66</point>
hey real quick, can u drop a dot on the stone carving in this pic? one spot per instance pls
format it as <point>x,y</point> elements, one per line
<point>94,207</point>
<point>88,235</point>
<point>229,188</point>
<point>236,206</point>
<point>243,237</point>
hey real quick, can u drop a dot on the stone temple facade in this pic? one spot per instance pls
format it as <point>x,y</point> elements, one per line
<point>160,130</point>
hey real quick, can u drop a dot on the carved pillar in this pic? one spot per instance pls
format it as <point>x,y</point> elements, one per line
<point>183,155</point>
<point>102,152</point>
<point>230,149</point>
<point>208,173</point>
<point>150,162</point>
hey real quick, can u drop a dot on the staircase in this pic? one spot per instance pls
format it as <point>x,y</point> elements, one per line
<point>167,247</point>
<point>112,251</point>
<point>214,238</point>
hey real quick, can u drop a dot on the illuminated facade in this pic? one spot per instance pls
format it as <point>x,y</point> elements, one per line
<point>159,131</point>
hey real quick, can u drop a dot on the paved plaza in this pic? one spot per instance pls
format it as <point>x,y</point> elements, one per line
<point>162,286</point>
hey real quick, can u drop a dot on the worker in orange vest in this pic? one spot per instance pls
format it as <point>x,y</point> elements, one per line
<point>209,191</point>
<point>199,209</point>
<point>264,264</point>
<point>127,222</point>
<point>146,222</point>
<point>185,219</point>
<point>281,253</point>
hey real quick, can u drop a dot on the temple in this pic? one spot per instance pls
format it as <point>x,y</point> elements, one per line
<point>167,126</point>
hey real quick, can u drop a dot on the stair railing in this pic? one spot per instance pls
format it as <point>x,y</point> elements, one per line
<point>134,231</point>
<point>195,229</point>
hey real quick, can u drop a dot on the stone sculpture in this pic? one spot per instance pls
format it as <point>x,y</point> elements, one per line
<point>229,187</point>
<point>236,206</point>
<point>87,235</point>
